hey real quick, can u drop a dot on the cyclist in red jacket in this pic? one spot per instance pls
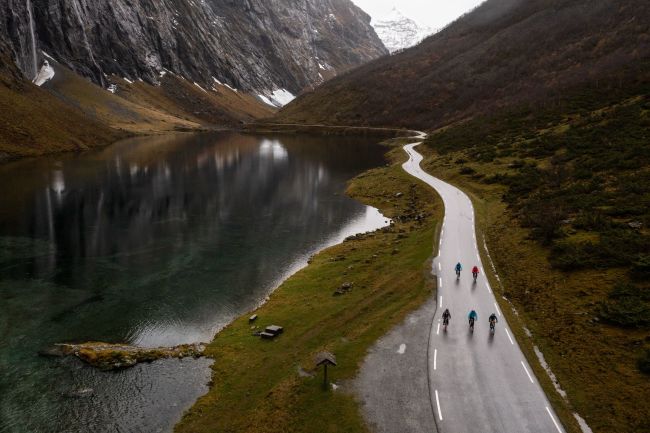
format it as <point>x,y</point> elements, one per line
<point>475,272</point>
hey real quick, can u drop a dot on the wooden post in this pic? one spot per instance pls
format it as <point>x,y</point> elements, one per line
<point>325,359</point>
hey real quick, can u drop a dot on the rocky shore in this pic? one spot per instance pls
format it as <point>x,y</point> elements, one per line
<point>106,356</point>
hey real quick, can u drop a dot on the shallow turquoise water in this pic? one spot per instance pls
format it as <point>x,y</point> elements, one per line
<point>154,241</point>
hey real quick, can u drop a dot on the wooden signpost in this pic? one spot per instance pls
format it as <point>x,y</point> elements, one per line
<point>325,359</point>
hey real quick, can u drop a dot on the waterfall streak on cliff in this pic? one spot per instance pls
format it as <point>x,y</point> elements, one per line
<point>33,40</point>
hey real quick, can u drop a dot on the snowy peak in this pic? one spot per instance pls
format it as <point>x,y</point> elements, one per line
<point>397,31</point>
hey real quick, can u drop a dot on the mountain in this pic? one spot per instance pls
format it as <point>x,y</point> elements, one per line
<point>149,66</point>
<point>258,46</point>
<point>398,32</point>
<point>503,54</point>
<point>51,125</point>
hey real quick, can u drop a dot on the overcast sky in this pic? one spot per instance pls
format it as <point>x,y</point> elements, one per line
<point>432,13</point>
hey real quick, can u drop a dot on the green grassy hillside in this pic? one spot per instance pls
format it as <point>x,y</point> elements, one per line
<point>564,195</point>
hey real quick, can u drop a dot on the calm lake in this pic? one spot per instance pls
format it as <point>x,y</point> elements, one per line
<point>154,241</point>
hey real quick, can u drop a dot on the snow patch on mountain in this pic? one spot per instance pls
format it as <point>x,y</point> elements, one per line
<point>398,32</point>
<point>44,75</point>
<point>277,98</point>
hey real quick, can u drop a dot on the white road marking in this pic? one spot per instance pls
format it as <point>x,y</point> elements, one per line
<point>509,337</point>
<point>497,307</point>
<point>440,301</point>
<point>438,404</point>
<point>442,232</point>
<point>440,282</point>
<point>438,331</point>
<point>552,419</point>
<point>478,257</point>
<point>488,287</point>
<point>440,266</point>
<point>526,370</point>
<point>435,359</point>
<point>402,349</point>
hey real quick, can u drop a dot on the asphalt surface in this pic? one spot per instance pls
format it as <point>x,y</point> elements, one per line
<point>420,378</point>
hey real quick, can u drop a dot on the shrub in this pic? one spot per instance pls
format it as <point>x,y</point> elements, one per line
<point>641,268</point>
<point>467,171</point>
<point>627,306</point>
<point>644,362</point>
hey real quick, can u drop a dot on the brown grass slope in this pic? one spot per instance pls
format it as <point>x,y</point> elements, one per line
<point>72,113</point>
<point>33,122</point>
<point>138,107</point>
<point>504,53</point>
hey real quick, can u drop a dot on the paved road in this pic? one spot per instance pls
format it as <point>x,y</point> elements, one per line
<point>419,378</point>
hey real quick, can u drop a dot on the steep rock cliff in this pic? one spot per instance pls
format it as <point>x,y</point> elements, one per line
<point>259,46</point>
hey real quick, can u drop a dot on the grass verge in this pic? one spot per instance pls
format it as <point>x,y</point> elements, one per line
<point>272,386</point>
<point>568,312</point>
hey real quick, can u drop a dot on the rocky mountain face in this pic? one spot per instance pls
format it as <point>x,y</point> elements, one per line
<point>259,46</point>
<point>398,32</point>
<point>504,54</point>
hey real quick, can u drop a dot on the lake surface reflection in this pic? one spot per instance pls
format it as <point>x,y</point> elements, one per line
<point>154,241</point>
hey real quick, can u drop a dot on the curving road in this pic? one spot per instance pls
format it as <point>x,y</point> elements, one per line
<point>419,378</point>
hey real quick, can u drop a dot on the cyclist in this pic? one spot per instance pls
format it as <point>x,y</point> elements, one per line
<point>475,272</point>
<point>445,318</point>
<point>458,268</point>
<point>472,316</point>
<point>493,321</point>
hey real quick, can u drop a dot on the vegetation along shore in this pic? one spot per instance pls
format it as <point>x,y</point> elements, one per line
<point>384,276</point>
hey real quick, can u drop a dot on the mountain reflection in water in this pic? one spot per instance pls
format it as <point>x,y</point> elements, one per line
<point>154,241</point>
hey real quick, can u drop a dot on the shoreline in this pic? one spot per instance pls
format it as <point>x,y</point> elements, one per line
<point>249,128</point>
<point>284,303</point>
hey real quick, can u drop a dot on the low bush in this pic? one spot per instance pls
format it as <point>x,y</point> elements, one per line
<point>627,306</point>
<point>467,171</point>
<point>640,269</point>
<point>644,362</point>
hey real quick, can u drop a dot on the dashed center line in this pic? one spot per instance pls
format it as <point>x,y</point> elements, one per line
<point>509,337</point>
<point>438,404</point>
<point>438,330</point>
<point>402,349</point>
<point>526,370</point>
<point>440,266</point>
<point>440,301</point>
<point>435,359</point>
<point>552,419</point>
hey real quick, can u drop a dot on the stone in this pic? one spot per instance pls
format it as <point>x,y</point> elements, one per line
<point>274,329</point>
<point>107,356</point>
<point>343,289</point>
